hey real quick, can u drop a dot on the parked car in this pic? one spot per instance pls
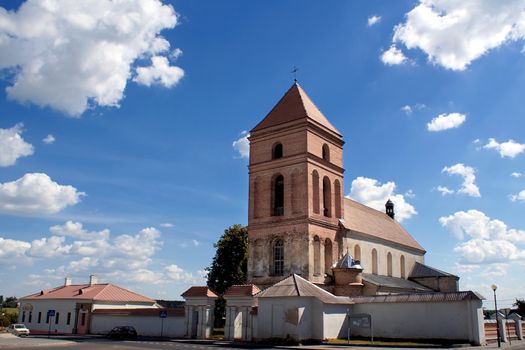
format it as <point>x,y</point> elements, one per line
<point>18,329</point>
<point>123,332</point>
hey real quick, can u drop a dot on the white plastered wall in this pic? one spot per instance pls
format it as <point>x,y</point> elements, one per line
<point>62,307</point>
<point>174,326</point>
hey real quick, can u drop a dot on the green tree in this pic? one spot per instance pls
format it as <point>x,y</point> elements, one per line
<point>229,265</point>
<point>520,304</point>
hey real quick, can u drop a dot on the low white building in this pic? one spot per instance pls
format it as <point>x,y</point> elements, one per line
<point>68,309</point>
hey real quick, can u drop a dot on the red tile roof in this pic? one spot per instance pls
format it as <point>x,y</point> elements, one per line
<point>96,292</point>
<point>244,290</point>
<point>199,291</point>
<point>363,219</point>
<point>295,105</point>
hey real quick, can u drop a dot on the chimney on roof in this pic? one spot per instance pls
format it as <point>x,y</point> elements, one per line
<point>389,206</point>
<point>68,281</point>
<point>92,280</point>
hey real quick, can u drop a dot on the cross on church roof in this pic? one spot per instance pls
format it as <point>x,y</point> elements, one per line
<point>294,71</point>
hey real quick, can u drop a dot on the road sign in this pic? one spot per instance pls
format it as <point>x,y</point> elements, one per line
<point>163,314</point>
<point>51,313</point>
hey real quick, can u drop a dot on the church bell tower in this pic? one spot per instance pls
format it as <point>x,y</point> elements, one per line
<point>296,192</point>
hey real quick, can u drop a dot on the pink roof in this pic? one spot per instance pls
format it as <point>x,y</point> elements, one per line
<point>363,219</point>
<point>96,292</point>
<point>293,106</point>
<point>199,291</point>
<point>244,290</point>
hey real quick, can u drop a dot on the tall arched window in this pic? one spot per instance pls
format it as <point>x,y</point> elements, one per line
<point>402,266</point>
<point>327,197</point>
<point>337,194</point>
<point>296,192</point>
<point>278,258</point>
<point>374,261</point>
<point>389,264</point>
<point>326,152</point>
<point>278,196</point>
<point>317,256</point>
<point>255,197</point>
<point>277,151</point>
<point>315,189</point>
<point>328,256</point>
<point>357,252</point>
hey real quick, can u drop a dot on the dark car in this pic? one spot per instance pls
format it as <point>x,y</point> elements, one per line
<point>123,332</point>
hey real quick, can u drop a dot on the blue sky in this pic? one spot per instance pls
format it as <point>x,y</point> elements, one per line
<point>144,104</point>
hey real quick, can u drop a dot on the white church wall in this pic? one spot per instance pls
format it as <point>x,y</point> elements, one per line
<point>294,317</point>
<point>145,325</point>
<point>459,320</point>
<point>368,244</point>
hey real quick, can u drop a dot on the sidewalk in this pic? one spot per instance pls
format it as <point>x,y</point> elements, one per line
<point>10,341</point>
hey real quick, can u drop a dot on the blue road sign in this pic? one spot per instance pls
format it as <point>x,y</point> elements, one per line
<point>163,314</point>
<point>51,313</point>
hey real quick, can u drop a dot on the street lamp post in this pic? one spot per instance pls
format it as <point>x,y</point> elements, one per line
<point>494,287</point>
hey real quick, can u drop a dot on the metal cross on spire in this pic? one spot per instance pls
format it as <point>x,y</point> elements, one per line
<point>294,71</point>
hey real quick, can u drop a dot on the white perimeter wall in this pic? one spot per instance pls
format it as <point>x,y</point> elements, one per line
<point>145,325</point>
<point>460,320</point>
<point>335,321</point>
<point>60,306</point>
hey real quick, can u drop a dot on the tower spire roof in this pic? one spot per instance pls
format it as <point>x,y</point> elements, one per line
<point>295,105</point>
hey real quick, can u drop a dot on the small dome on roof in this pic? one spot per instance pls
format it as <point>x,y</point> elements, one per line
<point>348,262</point>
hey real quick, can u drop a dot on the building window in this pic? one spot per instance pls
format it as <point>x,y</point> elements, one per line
<point>57,317</point>
<point>30,317</point>
<point>83,319</point>
<point>357,252</point>
<point>326,152</point>
<point>47,318</point>
<point>337,193</point>
<point>278,258</point>
<point>277,151</point>
<point>402,266</point>
<point>68,318</point>
<point>315,189</point>
<point>23,316</point>
<point>278,196</point>
<point>389,264</point>
<point>317,256</point>
<point>327,255</point>
<point>39,316</point>
<point>327,197</point>
<point>374,261</point>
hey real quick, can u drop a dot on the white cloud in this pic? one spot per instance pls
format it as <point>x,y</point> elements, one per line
<point>372,193</point>
<point>70,55</point>
<point>76,230</point>
<point>469,178</point>
<point>195,242</point>
<point>444,190</point>
<point>465,268</point>
<point>176,273</point>
<point>487,240</point>
<point>12,145</point>
<point>509,149</point>
<point>393,56</point>
<point>49,139</point>
<point>410,194</point>
<point>373,20</point>
<point>36,193</point>
<point>176,53</point>
<point>145,243</point>
<point>455,33</point>
<point>242,145</point>
<point>516,174</point>
<point>407,109</point>
<point>518,197</point>
<point>495,270</point>
<point>166,225</point>
<point>446,121</point>
<point>12,250</point>
<point>160,72</point>
<point>51,247</point>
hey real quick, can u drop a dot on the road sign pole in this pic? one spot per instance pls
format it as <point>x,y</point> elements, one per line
<point>161,327</point>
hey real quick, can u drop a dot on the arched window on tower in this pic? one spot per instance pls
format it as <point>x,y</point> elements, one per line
<point>317,256</point>
<point>278,196</point>
<point>357,252</point>
<point>278,257</point>
<point>402,266</point>
<point>337,194</point>
<point>326,152</point>
<point>315,190</point>
<point>389,264</point>
<point>374,261</point>
<point>277,151</point>
<point>327,197</point>
<point>328,256</point>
